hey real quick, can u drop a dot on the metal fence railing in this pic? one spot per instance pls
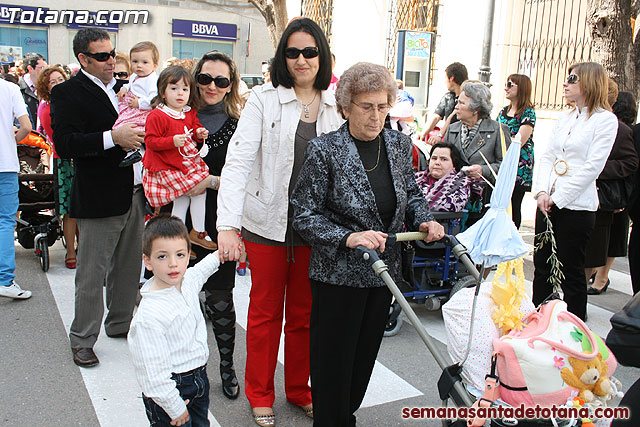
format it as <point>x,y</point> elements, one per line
<point>321,11</point>
<point>418,15</point>
<point>554,35</point>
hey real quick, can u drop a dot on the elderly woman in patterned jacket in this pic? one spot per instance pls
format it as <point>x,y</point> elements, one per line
<point>356,185</point>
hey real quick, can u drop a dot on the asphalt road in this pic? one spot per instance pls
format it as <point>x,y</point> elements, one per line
<point>40,385</point>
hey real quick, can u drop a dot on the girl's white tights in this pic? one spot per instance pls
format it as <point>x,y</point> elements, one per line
<point>198,207</point>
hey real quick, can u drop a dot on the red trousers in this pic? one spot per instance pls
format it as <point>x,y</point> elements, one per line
<point>277,284</point>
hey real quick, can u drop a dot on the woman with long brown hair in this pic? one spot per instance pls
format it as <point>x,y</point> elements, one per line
<point>566,183</point>
<point>520,116</point>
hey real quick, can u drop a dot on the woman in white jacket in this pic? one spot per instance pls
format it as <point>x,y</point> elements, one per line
<point>566,184</point>
<point>263,161</point>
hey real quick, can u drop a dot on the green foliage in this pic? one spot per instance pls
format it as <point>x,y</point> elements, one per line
<point>557,276</point>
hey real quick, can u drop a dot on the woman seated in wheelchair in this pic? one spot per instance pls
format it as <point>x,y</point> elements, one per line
<point>445,186</point>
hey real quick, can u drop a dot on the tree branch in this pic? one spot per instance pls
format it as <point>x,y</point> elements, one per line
<point>275,15</point>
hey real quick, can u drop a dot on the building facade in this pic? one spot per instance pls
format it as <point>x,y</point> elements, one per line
<point>184,29</point>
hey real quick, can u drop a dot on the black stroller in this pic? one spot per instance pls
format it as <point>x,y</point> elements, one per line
<point>38,226</point>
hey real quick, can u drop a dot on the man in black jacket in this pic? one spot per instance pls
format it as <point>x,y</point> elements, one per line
<point>33,63</point>
<point>108,209</point>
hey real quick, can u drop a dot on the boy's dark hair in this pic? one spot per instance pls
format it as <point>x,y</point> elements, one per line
<point>84,37</point>
<point>279,72</point>
<point>163,226</point>
<point>458,71</point>
<point>173,74</point>
<point>456,158</point>
<point>31,59</point>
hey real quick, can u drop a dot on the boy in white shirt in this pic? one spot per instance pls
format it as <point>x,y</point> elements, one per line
<point>168,335</point>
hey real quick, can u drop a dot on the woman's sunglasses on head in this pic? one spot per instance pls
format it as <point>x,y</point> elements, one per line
<point>121,75</point>
<point>101,56</point>
<point>205,79</point>
<point>307,52</point>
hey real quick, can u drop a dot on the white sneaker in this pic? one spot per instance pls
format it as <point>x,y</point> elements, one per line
<point>14,291</point>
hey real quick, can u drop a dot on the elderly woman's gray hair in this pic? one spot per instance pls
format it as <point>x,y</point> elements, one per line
<point>364,77</point>
<point>480,98</point>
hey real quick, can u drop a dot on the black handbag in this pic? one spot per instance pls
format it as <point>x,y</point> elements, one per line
<point>615,194</point>
<point>624,338</point>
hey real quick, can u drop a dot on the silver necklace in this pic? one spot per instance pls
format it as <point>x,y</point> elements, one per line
<point>305,107</point>
<point>377,161</point>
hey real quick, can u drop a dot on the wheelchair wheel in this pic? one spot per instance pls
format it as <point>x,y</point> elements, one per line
<point>394,321</point>
<point>461,284</point>
<point>43,248</point>
<point>392,327</point>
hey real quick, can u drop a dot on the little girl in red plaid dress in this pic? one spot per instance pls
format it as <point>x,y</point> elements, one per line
<point>172,164</point>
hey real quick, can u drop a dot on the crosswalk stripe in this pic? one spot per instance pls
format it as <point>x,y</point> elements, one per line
<point>112,386</point>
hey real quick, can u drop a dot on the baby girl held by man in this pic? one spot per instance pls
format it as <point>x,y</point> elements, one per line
<point>135,98</point>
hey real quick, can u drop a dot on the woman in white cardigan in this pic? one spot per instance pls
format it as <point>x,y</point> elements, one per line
<point>262,165</point>
<point>565,189</point>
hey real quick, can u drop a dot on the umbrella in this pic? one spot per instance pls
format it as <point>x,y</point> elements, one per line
<point>495,238</point>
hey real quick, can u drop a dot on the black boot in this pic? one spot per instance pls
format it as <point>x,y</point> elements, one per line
<point>219,306</point>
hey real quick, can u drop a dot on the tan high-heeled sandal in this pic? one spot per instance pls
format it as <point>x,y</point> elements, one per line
<point>264,420</point>
<point>308,410</point>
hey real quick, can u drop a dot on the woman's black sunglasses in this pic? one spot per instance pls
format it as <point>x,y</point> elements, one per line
<point>101,56</point>
<point>121,74</point>
<point>511,84</point>
<point>205,79</point>
<point>307,52</point>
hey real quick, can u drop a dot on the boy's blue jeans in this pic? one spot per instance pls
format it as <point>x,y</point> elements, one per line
<point>192,385</point>
<point>8,208</point>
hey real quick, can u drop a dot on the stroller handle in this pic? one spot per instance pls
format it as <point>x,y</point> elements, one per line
<point>382,270</point>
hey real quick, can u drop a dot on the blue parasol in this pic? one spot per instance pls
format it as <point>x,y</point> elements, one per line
<point>495,238</point>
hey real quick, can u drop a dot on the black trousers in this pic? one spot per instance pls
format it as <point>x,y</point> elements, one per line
<point>346,330</point>
<point>571,230</point>
<point>634,256</point>
<point>516,204</point>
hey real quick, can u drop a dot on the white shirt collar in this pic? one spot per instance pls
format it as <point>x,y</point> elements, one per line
<point>173,113</point>
<point>97,81</point>
<point>28,81</point>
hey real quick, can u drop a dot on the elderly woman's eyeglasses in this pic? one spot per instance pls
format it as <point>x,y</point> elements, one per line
<point>308,52</point>
<point>510,84</point>
<point>370,108</point>
<point>573,79</point>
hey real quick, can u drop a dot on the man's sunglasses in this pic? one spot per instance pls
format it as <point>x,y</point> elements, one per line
<point>205,79</point>
<point>101,56</point>
<point>511,84</point>
<point>573,78</point>
<point>121,74</point>
<point>307,52</point>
